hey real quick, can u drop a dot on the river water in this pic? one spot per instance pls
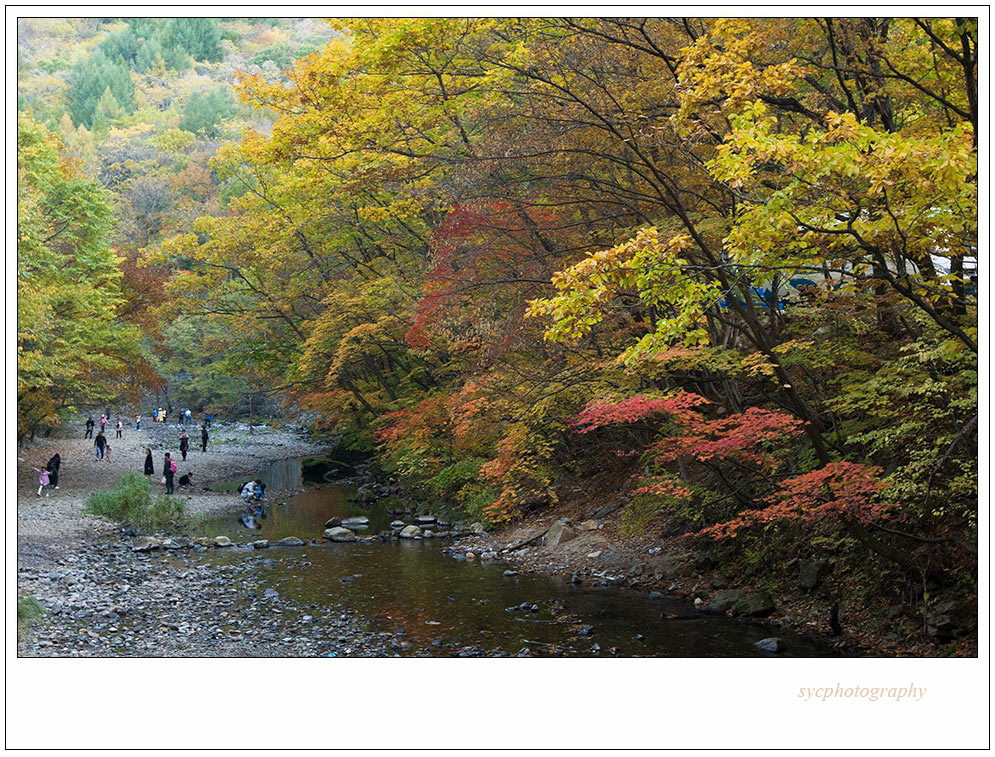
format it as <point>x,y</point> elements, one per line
<point>445,604</point>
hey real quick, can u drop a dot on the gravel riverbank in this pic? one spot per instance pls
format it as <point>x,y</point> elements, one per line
<point>103,599</point>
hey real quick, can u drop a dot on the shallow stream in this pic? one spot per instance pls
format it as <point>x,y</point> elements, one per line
<point>444,604</point>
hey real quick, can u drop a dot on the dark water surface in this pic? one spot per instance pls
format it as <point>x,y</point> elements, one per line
<point>444,604</point>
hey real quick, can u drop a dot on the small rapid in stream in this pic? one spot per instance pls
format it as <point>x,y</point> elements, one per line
<point>435,603</point>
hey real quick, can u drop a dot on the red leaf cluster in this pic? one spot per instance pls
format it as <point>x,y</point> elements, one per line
<point>739,434</point>
<point>601,413</point>
<point>841,488</point>
<point>667,487</point>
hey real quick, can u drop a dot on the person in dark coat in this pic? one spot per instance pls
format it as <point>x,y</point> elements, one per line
<point>149,467</point>
<point>167,471</point>
<point>53,468</point>
<point>99,442</point>
<point>184,444</point>
<point>89,429</point>
<point>203,438</point>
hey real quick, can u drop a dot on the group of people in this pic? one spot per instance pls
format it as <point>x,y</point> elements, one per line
<point>168,471</point>
<point>103,446</point>
<point>253,495</point>
<point>104,422</point>
<point>48,477</point>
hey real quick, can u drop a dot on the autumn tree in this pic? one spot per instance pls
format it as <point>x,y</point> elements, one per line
<point>71,348</point>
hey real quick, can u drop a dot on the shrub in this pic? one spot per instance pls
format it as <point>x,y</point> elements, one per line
<point>29,612</point>
<point>130,501</point>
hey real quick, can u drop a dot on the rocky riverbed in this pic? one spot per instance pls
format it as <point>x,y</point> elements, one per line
<point>108,601</point>
<point>103,599</point>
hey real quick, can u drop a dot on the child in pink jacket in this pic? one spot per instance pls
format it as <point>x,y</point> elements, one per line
<point>42,480</point>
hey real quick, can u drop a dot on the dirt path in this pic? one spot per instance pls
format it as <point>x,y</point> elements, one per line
<point>44,523</point>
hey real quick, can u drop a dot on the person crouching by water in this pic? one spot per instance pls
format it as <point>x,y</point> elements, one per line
<point>168,470</point>
<point>149,466</point>
<point>186,479</point>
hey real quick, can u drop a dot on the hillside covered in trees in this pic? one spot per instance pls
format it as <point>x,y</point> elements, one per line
<point>725,269</point>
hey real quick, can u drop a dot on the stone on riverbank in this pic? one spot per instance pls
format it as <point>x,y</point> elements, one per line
<point>741,602</point>
<point>339,534</point>
<point>356,521</point>
<point>221,541</point>
<point>145,544</point>
<point>560,533</point>
<point>333,522</point>
<point>424,520</point>
<point>260,544</point>
<point>771,644</point>
<point>726,600</point>
<point>289,541</point>
<point>811,572</point>
<point>755,605</point>
<point>410,532</point>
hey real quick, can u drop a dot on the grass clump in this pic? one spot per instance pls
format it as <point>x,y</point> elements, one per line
<point>130,501</point>
<point>29,612</point>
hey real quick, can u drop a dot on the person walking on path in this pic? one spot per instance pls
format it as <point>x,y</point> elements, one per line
<point>184,443</point>
<point>103,423</point>
<point>207,420</point>
<point>138,422</point>
<point>89,428</point>
<point>107,451</point>
<point>119,428</point>
<point>203,438</point>
<point>149,467</point>
<point>52,466</point>
<point>168,469</point>
<point>42,480</point>
<point>99,443</point>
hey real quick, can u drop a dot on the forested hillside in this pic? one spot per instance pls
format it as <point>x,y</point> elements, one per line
<point>133,110</point>
<point>727,268</point>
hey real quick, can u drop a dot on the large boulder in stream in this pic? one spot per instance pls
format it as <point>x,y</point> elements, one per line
<point>333,522</point>
<point>356,521</point>
<point>410,532</point>
<point>339,534</point>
